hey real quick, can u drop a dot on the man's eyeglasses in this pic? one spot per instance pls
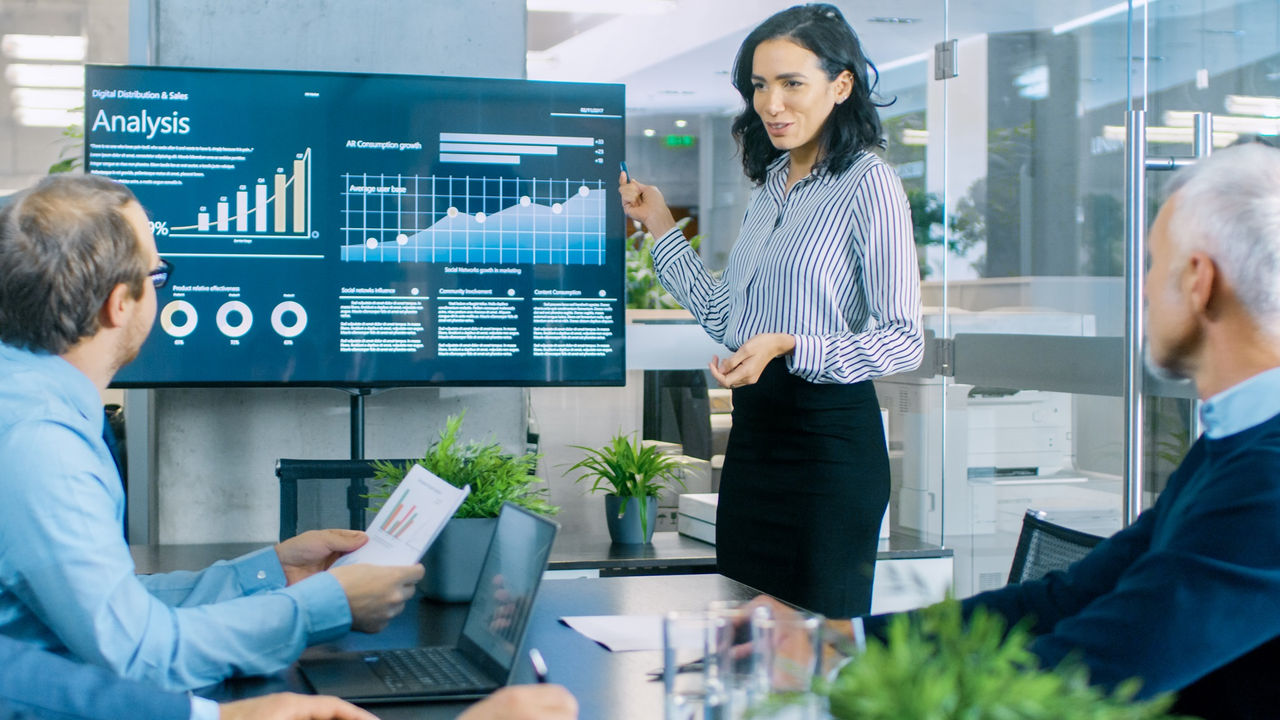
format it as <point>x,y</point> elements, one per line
<point>160,276</point>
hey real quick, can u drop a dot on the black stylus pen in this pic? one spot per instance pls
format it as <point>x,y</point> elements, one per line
<point>539,665</point>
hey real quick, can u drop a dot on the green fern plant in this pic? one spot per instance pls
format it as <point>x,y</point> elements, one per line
<point>935,665</point>
<point>495,477</point>
<point>72,146</point>
<point>628,468</point>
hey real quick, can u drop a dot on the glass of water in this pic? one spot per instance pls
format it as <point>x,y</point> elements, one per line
<point>695,653</point>
<point>786,660</point>
<point>743,688</point>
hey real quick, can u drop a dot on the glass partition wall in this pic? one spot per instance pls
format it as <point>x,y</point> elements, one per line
<point>1020,402</point>
<point>1032,205</point>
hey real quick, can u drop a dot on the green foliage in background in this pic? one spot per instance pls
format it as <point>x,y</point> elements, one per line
<point>926,221</point>
<point>72,147</point>
<point>628,468</point>
<point>495,477</point>
<point>937,667</point>
<point>644,292</point>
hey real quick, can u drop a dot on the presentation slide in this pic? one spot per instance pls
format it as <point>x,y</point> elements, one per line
<point>371,230</point>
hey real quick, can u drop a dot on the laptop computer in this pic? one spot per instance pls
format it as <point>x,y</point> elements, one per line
<point>485,655</point>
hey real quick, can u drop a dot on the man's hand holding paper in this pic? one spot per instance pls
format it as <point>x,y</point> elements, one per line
<point>409,521</point>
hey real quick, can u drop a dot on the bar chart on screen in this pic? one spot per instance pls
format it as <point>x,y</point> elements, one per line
<point>277,207</point>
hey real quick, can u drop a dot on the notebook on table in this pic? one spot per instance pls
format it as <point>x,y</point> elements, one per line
<point>485,654</point>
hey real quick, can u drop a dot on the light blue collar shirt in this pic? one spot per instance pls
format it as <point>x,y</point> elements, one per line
<point>1242,405</point>
<point>67,580</point>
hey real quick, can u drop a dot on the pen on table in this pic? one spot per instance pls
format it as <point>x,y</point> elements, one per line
<point>691,666</point>
<point>539,665</point>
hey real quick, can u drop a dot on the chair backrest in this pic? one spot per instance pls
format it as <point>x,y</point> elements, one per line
<point>1044,547</point>
<point>292,471</point>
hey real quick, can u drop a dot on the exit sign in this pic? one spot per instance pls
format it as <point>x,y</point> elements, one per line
<point>678,141</point>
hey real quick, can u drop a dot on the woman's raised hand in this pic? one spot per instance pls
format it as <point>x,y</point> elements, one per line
<point>646,204</point>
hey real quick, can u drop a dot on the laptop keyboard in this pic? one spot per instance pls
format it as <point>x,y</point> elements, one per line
<point>428,669</point>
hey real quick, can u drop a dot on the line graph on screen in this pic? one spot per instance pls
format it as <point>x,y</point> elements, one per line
<point>473,220</point>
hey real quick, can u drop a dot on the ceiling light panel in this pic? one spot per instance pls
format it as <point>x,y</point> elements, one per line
<point>1253,105</point>
<point>43,117</point>
<point>47,98</point>
<point>47,76</point>
<point>1103,14</point>
<point>915,137</point>
<point>604,7</point>
<point>1157,134</point>
<point>68,48</point>
<point>1226,123</point>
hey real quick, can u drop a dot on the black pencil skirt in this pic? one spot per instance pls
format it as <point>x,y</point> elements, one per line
<point>804,487</point>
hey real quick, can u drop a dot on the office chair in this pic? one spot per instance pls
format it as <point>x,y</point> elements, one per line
<point>677,409</point>
<point>291,472</point>
<point>1044,547</point>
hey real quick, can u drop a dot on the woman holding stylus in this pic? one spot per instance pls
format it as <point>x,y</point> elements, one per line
<point>820,295</point>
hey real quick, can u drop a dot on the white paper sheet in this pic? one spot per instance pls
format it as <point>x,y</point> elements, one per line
<point>409,521</point>
<point>620,633</point>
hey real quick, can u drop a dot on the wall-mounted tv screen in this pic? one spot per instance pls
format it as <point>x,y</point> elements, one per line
<point>357,230</point>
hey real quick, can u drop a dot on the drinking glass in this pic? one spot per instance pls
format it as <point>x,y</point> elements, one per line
<point>695,649</point>
<point>786,660</point>
<point>742,690</point>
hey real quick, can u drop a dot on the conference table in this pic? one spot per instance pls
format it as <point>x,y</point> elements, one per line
<point>609,686</point>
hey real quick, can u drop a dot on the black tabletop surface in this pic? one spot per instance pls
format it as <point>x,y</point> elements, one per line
<point>610,686</point>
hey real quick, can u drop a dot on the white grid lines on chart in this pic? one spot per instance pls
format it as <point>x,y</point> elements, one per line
<point>475,220</point>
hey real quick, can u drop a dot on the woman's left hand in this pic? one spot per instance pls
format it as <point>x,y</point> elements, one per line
<point>744,366</point>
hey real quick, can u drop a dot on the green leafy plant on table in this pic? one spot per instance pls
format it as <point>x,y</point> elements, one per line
<point>936,666</point>
<point>626,468</point>
<point>496,477</point>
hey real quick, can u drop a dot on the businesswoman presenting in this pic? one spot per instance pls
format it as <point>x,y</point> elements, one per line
<point>821,293</point>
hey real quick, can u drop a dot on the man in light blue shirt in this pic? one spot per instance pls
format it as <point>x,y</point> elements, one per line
<point>79,271</point>
<point>39,685</point>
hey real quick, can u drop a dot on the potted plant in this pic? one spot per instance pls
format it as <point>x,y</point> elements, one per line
<point>496,477</point>
<point>937,665</point>
<point>644,292</point>
<point>632,475</point>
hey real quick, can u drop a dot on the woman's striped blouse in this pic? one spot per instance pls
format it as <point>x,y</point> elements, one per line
<point>832,262</point>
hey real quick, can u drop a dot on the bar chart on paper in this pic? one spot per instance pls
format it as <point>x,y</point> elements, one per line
<point>410,519</point>
<point>277,207</point>
<point>400,519</point>
<point>473,220</point>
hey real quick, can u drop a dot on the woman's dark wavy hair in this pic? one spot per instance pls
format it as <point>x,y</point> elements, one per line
<point>853,125</point>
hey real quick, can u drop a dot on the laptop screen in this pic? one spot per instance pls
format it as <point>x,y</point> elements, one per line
<point>499,613</point>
